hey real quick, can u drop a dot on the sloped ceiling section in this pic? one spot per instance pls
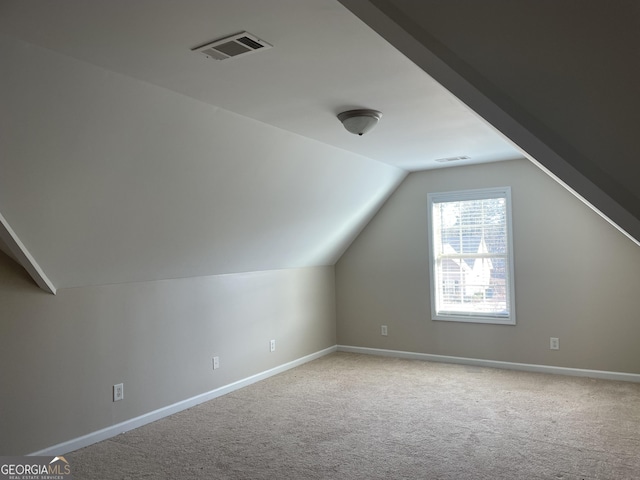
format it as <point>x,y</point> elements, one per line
<point>125,156</point>
<point>12,246</point>
<point>4,248</point>
<point>324,60</point>
<point>108,179</point>
<point>559,79</point>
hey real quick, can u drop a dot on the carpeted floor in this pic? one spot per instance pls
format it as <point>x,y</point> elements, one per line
<point>350,416</point>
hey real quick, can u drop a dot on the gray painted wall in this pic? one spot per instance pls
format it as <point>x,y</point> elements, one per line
<point>576,278</point>
<point>62,354</point>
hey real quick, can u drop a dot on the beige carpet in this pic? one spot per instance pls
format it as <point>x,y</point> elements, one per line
<point>349,416</point>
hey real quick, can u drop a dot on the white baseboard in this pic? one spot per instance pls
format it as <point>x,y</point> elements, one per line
<point>526,367</point>
<point>113,430</point>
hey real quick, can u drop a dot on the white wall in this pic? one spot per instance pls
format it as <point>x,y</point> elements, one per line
<point>62,354</point>
<point>576,278</point>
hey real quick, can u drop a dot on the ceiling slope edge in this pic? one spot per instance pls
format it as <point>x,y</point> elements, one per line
<point>23,257</point>
<point>5,249</point>
<point>366,213</point>
<point>593,187</point>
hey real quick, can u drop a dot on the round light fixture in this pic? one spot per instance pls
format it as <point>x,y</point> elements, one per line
<point>360,121</point>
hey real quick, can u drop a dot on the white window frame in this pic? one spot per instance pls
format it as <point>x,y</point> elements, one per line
<point>471,317</point>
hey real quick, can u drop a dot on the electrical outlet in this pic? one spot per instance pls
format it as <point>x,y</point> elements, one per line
<point>383,330</point>
<point>118,392</point>
<point>216,363</point>
<point>554,343</point>
<point>272,346</point>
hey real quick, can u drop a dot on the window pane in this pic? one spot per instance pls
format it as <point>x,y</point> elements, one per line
<point>473,285</point>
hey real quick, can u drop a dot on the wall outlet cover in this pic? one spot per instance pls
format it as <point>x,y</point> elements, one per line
<point>118,392</point>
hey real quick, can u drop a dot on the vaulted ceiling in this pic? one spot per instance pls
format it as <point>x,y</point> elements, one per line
<point>559,79</point>
<point>125,156</point>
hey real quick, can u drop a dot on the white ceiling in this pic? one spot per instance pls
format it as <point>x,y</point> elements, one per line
<point>126,157</point>
<point>324,60</point>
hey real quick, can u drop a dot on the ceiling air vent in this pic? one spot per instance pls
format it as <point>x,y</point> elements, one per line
<point>233,46</point>
<point>452,159</point>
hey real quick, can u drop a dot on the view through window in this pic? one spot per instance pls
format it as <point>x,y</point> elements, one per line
<point>471,256</point>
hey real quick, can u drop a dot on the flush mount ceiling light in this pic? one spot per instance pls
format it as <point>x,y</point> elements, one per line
<point>360,121</point>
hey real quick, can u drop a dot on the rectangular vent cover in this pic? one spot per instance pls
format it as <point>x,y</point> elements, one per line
<point>233,46</point>
<point>451,159</point>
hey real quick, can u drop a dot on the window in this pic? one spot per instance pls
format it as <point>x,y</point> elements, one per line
<point>471,256</point>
